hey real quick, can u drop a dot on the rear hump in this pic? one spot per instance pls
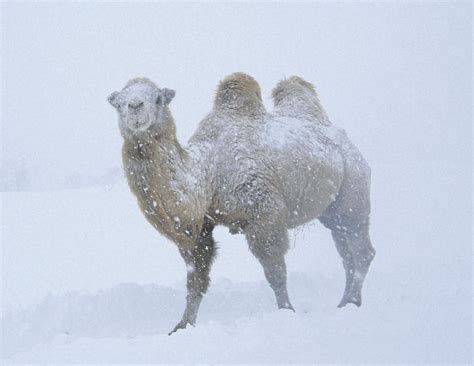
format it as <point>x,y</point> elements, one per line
<point>296,97</point>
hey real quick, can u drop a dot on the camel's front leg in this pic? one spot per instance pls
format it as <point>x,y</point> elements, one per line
<point>269,243</point>
<point>198,264</point>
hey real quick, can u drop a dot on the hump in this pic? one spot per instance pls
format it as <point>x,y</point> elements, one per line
<point>296,97</point>
<point>294,85</point>
<point>241,92</point>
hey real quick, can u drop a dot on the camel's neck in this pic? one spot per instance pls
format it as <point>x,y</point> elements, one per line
<point>161,175</point>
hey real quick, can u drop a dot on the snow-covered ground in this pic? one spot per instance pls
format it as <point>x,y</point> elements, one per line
<point>87,280</point>
<point>84,278</point>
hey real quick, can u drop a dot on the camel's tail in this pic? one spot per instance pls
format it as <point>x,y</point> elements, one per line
<point>295,96</point>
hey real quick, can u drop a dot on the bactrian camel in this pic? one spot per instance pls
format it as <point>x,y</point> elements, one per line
<point>255,172</point>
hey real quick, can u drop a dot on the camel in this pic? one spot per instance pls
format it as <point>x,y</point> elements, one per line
<point>255,172</point>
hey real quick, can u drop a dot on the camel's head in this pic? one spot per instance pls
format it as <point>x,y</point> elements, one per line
<point>141,105</point>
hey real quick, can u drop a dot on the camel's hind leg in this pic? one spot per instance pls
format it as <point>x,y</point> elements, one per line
<point>269,243</point>
<point>348,219</point>
<point>351,236</point>
<point>198,264</point>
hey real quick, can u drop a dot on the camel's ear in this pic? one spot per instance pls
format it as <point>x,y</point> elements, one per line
<point>167,95</point>
<point>112,99</point>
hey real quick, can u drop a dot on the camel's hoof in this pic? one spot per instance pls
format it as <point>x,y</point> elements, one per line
<point>350,299</point>
<point>287,307</point>
<point>181,325</point>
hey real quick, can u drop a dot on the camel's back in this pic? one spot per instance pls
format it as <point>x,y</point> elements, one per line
<point>294,161</point>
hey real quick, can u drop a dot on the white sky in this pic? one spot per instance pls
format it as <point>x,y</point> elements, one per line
<point>397,76</point>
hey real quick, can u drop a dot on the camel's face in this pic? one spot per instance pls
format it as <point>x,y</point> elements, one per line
<point>140,105</point>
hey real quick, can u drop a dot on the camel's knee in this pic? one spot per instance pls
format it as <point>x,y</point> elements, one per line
<point>360,243</point>
<point>351,235</point>
<point>370,253</point>
<point>197,280</point>
<point>198,264</point>
<point>363,259</point>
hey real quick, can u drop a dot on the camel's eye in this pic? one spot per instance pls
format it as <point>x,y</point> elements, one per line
<point>118,105</point>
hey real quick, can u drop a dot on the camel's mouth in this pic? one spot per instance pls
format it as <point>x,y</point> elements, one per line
<point>139,124</point>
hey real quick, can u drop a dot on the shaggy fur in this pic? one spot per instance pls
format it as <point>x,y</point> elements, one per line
<point>256,173</point>
<point>297,98</point>
<point>239,93</point>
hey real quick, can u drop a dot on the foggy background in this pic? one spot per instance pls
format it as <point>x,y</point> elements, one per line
<point>396,76</point>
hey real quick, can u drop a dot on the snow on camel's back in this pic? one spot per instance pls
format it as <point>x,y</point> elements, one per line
<point>255,172</point>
